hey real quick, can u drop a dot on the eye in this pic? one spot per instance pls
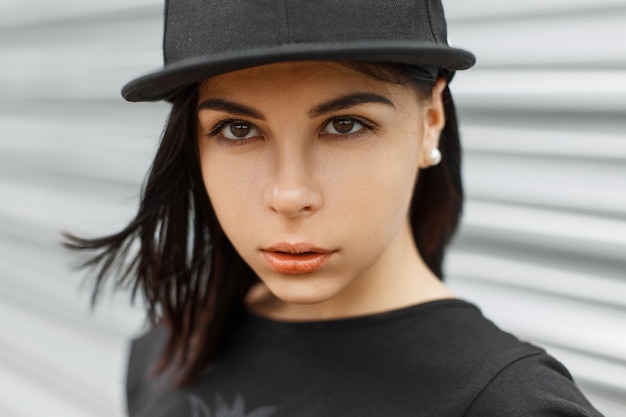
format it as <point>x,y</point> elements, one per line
<point>238,130</point>
<point>343,125</point>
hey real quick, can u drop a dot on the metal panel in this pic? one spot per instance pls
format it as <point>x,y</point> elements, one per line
<point>72,157</point>
<point>543,244</point>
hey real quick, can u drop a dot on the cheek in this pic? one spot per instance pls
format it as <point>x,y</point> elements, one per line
<point>231,184</point>
<point>376,189</point>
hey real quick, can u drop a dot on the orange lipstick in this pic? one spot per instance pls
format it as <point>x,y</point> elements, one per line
<point>299,258</point>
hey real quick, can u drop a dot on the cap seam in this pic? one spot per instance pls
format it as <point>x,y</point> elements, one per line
<point>430,23</point>
<point>165,26</point>
<point>287,25</point>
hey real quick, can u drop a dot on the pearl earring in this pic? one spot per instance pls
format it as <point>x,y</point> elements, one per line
<point>434,157</point>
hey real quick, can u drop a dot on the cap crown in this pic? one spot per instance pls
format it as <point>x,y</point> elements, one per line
<point>200,28</point>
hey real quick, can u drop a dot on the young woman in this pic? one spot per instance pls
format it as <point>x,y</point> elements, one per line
<point>292,227</point>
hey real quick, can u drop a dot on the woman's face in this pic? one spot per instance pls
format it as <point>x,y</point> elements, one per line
<point>310,168</point>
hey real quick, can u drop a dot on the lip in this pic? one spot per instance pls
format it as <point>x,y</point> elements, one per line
<point>296,258</point>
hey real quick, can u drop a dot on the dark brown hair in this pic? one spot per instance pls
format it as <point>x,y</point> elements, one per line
<point>191,277</point>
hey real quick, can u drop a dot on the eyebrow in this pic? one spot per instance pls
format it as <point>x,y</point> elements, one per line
<point>339,103</point>
<point>230,107</point>
<point>347,101</point>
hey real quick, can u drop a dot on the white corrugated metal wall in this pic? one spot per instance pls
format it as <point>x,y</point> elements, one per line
<point>543,245</point>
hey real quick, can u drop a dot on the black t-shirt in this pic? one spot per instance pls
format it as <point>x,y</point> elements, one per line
<point>441,358</point>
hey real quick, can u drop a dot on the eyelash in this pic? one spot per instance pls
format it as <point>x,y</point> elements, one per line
<point>217,129</point>
<point>367,126</point>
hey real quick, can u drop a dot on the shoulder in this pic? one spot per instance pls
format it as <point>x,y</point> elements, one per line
<point>493,373</point>
<point>144,353</point>
<point>466,340</point>
<point>148,394</point>
<point>532,386</point>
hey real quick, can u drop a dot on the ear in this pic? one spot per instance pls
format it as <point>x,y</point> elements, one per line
<point>434,121</point>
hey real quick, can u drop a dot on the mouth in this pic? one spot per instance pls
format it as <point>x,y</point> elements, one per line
<point>300,258</point>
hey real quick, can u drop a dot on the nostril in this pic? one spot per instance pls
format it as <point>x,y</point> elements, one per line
<point>292,200</point>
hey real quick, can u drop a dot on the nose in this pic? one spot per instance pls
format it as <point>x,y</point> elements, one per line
<point>292,190</point>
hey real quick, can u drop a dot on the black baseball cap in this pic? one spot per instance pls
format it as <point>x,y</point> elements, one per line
<point>203,38</point>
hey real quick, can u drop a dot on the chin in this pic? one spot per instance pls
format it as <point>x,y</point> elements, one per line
<point>303,293</point>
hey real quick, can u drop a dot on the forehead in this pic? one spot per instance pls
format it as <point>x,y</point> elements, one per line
<point>290,77</point>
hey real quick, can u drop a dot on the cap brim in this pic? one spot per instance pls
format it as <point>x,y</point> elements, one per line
<point>165,83</point>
